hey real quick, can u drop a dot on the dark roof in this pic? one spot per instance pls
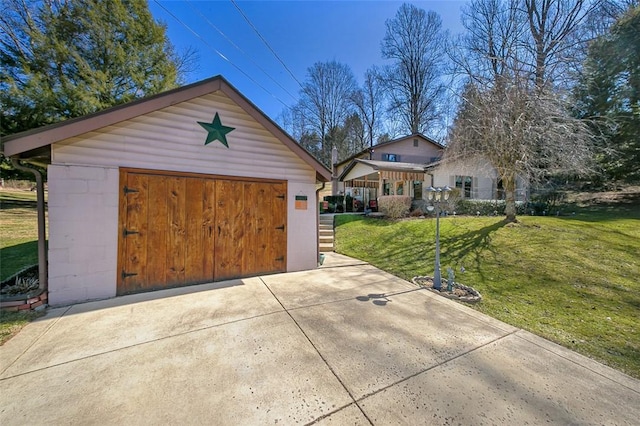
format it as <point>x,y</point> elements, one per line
<point>414,135</point>
<point>31,143</point>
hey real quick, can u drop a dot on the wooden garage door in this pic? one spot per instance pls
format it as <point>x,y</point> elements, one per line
<point>186,229</point>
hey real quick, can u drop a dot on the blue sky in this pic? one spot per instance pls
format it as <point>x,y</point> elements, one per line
<point>300,32</point>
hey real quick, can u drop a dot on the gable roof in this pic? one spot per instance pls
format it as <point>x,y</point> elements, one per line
<point>30,143</point>
<point>391,142</point>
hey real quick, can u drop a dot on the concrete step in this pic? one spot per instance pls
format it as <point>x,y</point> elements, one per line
<point>326,247</point>
<point>326,233</point>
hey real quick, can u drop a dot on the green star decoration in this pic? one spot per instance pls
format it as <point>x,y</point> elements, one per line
<point>216,131</point>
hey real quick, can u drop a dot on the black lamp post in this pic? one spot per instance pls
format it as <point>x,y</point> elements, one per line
<point>437,196</point>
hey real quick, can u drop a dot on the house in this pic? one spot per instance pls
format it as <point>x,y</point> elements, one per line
<point>189,186</point>
<point>408,166</point>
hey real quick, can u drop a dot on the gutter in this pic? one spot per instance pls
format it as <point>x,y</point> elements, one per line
<point>324,184</point>
<point>42,250</point>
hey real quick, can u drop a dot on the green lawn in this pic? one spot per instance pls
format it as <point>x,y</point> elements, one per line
<point>18,249</point>
<point>18,231</point>
<point>573,280</point>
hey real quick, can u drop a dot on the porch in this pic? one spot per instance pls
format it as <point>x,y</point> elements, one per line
<point>366,180</point>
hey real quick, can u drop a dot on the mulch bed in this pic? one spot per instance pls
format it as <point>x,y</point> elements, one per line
<point>459,292</point>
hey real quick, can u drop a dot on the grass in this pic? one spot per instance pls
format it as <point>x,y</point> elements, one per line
<point>573,280</point>
<point>18,249</point>
<point>12,322</point>
<point>18,231</point>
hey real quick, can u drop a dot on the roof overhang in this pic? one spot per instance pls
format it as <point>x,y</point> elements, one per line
<point>35,144</point>
<point>360,168</point>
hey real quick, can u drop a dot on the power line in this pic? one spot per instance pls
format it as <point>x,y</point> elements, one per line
<point>265,42</point>
<point>220,54</point>
<point>237,47</point>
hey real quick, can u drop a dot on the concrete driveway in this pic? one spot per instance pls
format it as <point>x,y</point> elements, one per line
<point>343,344</point>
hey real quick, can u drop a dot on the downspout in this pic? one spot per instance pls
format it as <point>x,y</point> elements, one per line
<point>42,250</point>
<point>318,220</point>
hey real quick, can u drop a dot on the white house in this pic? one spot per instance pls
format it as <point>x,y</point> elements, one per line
<point>408,166</point>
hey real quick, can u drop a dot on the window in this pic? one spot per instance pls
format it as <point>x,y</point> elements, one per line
<point>464,184</point>
<point>390,157</point>
<point>417,190</point>
<point>400,188</point>
<point>415,143</point>
<point>386,187</point>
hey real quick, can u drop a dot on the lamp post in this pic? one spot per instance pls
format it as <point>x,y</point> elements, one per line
<point>437,196</point>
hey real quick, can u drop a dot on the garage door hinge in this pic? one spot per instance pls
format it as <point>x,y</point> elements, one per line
<point>126,232</point>
<point>128,190</point>
<point>280,196</point>
<point>280,259</point>
<point>127,274</point>
<point>281,227</point>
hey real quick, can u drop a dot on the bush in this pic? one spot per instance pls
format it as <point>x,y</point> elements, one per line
<point>336,203</point>
<point>486,207</point>
<point>394,206</point>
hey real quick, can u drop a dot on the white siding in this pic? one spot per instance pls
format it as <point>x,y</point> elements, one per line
<point>172,139</point>
<point>483,177</point>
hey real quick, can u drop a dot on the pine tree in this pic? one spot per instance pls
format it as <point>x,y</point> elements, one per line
<point>68,58</point>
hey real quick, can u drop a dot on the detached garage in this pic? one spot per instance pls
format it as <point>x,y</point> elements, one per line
<point>190,186</point>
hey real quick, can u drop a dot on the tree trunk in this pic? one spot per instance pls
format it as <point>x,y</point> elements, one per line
<point>509,184</point>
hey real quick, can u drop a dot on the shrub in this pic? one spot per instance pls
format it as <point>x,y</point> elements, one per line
<point>336,203</point>
<point>348,200</point>
<point>394,206</point>
<point>486,207</point>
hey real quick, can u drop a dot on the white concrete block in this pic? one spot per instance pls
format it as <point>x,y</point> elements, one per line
<point>302,244</point>
<point>86,200</point>
<point>61,269</point>
<point>71,186</point>
<point>60,255</point>
<point>87,173</point>
<point>87,254</point>
<point>60,295</point>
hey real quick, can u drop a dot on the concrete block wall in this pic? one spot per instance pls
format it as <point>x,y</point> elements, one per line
<point>302,228</point>
<point>83,233</point>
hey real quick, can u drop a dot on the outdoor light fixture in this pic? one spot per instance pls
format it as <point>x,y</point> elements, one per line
<point>437,196</point>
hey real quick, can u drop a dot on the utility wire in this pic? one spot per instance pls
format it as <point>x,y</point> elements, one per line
<point>237,47</point>
<point>265,42</point>
<point>220,54</point>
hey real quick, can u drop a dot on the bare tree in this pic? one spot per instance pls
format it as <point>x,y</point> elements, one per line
<point>522,134</point>
<point>554,27</point>
<point>326,103</point>
<point>369,103</point>
<point>487,52</point>
<point>414,40</point>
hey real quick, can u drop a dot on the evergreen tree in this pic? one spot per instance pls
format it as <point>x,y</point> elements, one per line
<point>68,58</point>
<point>609,93</point>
